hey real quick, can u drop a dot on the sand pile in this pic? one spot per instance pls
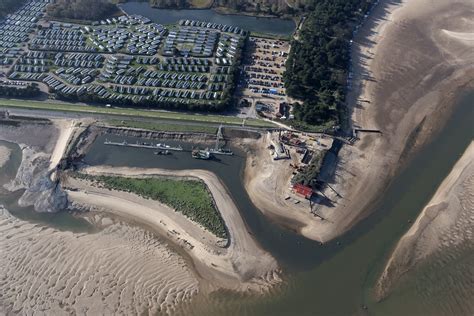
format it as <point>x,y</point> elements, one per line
<point>119,270</point>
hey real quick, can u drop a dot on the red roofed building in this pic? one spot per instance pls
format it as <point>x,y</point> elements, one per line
<point>303,190</point>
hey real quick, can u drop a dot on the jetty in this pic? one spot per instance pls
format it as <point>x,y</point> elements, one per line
<point>144,145</point>
<point>217,150</point>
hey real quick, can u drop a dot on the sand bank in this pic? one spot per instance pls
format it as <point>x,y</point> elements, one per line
<point>5,153</point>
<point>407,72</point>
<point>65,129</point>
<point>446,222</point>
<point>243,265</point>
<point>121,270</point>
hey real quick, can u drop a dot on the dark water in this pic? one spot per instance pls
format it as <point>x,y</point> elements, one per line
<point>248,23</point>
<point>337,278</point>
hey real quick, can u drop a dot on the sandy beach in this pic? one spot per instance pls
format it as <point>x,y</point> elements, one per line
<point>445,226</point>
<point>243,265</point>
<point>410,61</point>
<point>65,130</point>
<point>4,155</point>
<point>120,270</point>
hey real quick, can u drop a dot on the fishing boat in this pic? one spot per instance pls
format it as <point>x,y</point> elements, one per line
<point>201,154</point>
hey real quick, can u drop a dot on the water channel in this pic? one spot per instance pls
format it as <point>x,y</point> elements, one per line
<point>248,23</point>
<point>335,278</point>
<point>331,279</point>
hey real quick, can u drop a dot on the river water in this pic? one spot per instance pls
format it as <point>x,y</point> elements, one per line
<point>335,278</point>
<point>248,23</point>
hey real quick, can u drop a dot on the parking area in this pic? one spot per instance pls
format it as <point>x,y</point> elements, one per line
<point>261,83</point>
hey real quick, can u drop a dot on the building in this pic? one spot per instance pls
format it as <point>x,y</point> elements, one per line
<point>303,190</point>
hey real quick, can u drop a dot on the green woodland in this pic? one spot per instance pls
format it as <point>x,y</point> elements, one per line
<point>8,6</point>
<point>319,60</point>
<point>30,91</point>
<point>82,9</point>
<point>189,197</point>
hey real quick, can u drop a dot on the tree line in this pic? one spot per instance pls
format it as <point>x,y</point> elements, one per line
<point>91,10</point>
<point>272,7</point>
<point>318,63</point>
<point>30,91</point>
<point>9,6</point>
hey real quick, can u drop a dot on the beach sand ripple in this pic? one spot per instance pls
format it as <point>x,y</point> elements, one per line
<point>119,270</point>
<point>441,241</point>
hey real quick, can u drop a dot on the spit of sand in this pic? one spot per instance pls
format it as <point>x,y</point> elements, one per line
<point>242,265</point>
<point>444,227</point>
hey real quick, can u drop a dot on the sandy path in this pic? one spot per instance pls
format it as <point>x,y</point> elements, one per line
<point>407,72</point>
<point>66,129</point>
<point>121,270</point>
<point>241,266</point>
<point>446,222</point>
<point>4,155</point>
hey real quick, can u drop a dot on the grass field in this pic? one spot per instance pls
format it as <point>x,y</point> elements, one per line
<point>189,197</point>
<point>165,115</point>
<point>164,126</point>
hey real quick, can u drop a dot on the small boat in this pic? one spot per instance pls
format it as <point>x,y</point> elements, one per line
<point>222,151</point>
<point>162,152</point>
<point>201,154</point>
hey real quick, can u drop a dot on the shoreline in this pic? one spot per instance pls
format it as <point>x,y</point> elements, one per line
<point>241,266</point>
<point>443,223</point>
<point>383,98</point>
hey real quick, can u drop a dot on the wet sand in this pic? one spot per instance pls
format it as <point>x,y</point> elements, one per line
<point>446,224</point>
<point>408,68</point>
<point>4,155</point>
<point>119,270</point>
<point>241,266</point>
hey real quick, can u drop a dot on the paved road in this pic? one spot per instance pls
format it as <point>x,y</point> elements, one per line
<point>76,115</point>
